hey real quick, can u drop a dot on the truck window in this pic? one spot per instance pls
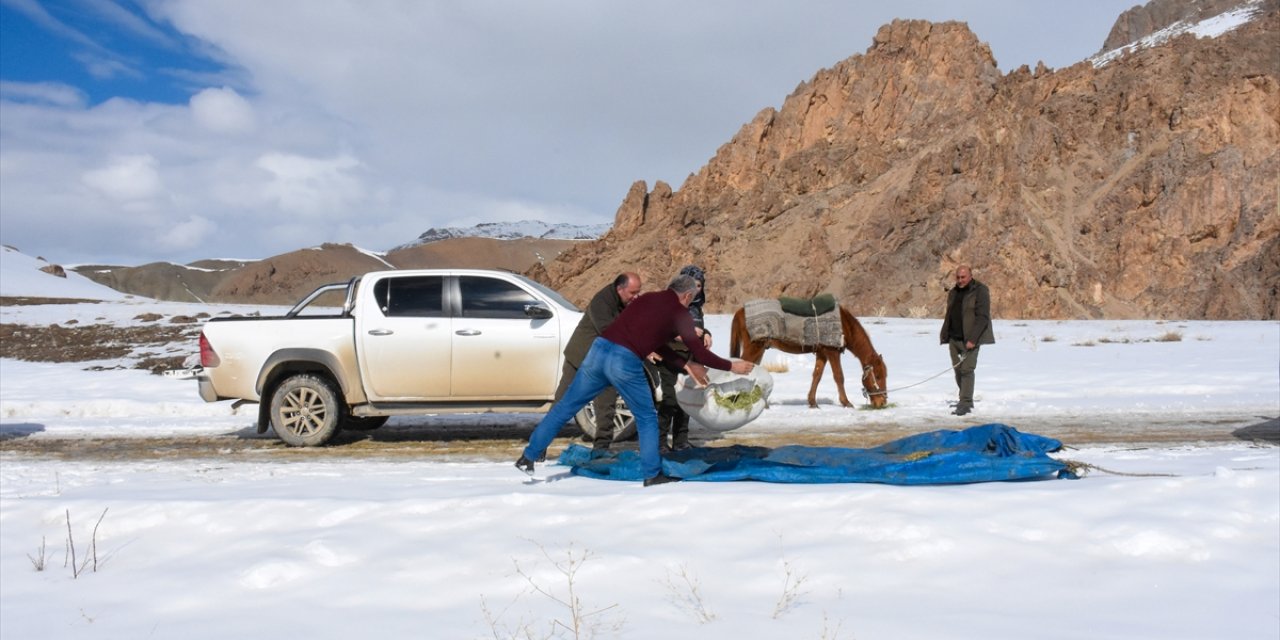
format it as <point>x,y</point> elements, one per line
<point>493,298</point>
<point>411,296</point>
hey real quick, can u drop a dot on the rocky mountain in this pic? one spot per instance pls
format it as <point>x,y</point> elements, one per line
<point>1141,186</point>
<point>1145,20</point>
<point>286,278</point>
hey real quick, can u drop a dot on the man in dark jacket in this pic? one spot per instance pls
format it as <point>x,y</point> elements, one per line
<point>600,313</point>
<point>617,358</point>
<point>966,327</point>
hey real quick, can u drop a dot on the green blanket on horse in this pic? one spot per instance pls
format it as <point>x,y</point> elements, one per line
<point>815,306</point>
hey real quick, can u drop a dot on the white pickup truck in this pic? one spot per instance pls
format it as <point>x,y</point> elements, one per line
<point>401,343</point>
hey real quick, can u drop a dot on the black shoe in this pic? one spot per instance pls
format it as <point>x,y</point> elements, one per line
<point>681,446</point>
<point>661,478</point>
<point>961,411</point>
<point>524,464</point>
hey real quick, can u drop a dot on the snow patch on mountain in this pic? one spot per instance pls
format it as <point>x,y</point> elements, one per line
<point>1208,28</point>
<point>514,231</point>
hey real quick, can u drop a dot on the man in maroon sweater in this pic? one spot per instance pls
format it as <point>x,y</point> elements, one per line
<point>616,359</point>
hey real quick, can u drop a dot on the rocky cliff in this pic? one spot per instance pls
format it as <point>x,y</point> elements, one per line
<point>1144,187</point>
<point>1146,19</point>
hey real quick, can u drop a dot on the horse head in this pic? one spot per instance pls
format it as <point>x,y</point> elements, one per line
<point>875,381</point>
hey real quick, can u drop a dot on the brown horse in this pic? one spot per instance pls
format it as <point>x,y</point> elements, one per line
<point>874,373</point>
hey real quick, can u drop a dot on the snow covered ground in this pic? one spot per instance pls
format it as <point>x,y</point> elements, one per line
<point>466,547</point>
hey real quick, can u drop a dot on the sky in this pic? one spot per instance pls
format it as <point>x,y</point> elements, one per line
<point>1174,535</point>
<point>134,131</point>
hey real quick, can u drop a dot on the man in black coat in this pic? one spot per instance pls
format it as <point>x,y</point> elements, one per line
<point>604,307</point>
<point>966,327</point>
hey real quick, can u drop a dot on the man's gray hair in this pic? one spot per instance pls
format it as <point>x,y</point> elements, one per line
<point>683,284</point>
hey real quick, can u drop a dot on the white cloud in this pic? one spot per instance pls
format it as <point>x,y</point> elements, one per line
<point>222,111</point>
<point>311,186</point>
<point>106,66</point>
<point>53,93</point>
<point>185,235</point>
<point>127,178</point>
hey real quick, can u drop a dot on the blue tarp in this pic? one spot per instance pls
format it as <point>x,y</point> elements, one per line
<point>986,453</point>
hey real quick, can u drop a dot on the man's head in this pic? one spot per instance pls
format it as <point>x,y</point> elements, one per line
<point>628,286</point>
<point>695,272</point>
<point>685,287</point>
<point>963,277</point>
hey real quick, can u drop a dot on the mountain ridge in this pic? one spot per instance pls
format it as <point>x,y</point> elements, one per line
<point>1144,187</point>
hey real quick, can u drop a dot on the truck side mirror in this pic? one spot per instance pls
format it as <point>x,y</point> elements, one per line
<point>538,312</point>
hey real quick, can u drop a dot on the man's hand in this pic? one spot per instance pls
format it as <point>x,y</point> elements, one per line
<point>697,372</point>
<point>706,337</point>
<point>742,367</point>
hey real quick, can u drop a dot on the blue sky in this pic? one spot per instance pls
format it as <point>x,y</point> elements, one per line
<point>103,49</point>
<point>141,130</point>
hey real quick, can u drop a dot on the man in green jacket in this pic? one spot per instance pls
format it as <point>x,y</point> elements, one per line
<point>966,327</point>
<point>605,305</point>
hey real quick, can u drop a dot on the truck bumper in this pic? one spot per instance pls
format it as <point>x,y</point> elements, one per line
<point>203,382</point>
<point>206,389</point>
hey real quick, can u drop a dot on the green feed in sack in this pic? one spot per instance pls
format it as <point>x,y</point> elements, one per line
<point>740,401</point>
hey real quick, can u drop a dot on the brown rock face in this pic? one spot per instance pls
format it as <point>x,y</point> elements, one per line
<point>1145,188</point>
<point>285,278</point>
<point>54,270</point>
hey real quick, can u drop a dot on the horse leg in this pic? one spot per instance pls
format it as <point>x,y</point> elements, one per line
<point>819,364</point>
<point>837,370</point>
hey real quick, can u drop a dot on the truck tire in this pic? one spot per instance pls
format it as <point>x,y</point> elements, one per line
<point>363,423</point>
<point>305,411</point>
<point>624,424</point>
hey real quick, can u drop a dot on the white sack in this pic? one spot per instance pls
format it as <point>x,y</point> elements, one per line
<point>707,405</point>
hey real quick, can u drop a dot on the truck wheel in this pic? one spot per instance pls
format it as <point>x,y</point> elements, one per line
<point>364,423</point>
<point>624,424</point>
<point>305,411</point>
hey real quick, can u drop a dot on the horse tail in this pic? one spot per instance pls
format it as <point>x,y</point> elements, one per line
<point>737,330</point>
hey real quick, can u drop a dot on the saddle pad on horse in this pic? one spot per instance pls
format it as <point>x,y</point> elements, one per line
<point>766,319</point>
<point>763,318</point>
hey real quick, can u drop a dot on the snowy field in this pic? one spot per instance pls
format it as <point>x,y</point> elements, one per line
<point>1187,546</point>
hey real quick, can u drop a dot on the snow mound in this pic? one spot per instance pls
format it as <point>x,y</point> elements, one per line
<point>20,275</point>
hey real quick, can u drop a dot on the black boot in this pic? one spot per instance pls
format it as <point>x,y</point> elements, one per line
<point>661,478</point>
<point>680,431</point>
<point>665,419</point>
<point>524,464</point>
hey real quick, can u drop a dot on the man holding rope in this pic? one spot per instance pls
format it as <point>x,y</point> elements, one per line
<point>966,327</point>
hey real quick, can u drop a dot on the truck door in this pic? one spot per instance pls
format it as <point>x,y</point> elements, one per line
<point>405,340</point>
<point>498,350</point>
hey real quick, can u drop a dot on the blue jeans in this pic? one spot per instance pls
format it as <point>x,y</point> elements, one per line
<point>606,364</point>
